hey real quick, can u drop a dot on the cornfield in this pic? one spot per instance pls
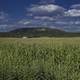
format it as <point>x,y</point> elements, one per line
<point>40,59</point>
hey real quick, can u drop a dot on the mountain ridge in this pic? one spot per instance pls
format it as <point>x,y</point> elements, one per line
<point>38,32</point>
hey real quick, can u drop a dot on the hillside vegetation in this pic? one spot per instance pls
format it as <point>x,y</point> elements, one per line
<point>38,32</point>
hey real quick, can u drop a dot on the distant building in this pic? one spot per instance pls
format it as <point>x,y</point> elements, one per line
<point>24,37</point>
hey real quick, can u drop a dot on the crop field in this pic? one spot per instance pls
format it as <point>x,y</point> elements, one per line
<point>40,59</point>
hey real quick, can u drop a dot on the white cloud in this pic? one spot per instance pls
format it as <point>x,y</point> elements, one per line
<point>3,25</point>
<point>44,18</point>
<point>77,22</point>
<point>61,22</point>
<point>73,12</point>
<point>3,17</point>
<point>45,8</point>
<point>24,22</point>
<point>76,6</point>
<point>27,22</point>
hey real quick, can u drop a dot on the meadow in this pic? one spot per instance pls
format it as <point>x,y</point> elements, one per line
<point>40,59</point>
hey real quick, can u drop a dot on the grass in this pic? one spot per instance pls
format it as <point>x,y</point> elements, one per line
<point>40,59</point>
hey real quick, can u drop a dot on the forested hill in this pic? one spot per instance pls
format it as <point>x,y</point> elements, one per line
<point>38,32</point>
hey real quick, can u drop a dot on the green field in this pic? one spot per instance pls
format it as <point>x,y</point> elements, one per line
<point>40,59</point>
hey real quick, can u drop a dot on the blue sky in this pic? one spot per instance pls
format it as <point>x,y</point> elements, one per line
<point>16,8</point>
<point>61,14</point>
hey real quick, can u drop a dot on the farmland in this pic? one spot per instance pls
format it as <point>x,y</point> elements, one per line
<point>40,59</point>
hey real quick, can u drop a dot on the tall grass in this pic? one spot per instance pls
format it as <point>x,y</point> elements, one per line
<point>40,59</point>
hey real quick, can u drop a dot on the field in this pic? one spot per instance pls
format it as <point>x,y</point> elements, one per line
<point>40,59</point>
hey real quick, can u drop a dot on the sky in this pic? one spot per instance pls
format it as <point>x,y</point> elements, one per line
<point>60,14</point>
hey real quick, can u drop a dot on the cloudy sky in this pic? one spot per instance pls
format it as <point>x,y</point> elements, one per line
<point>60,14</point>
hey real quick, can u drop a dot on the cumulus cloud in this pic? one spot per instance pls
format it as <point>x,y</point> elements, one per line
<point>46,10</point>
<point>43,14</point>
<point>73,11</point>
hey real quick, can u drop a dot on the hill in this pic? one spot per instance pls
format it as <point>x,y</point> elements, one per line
<point>38,32</point>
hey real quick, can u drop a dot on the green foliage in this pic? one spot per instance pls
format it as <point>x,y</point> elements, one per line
<point>40,59</point>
